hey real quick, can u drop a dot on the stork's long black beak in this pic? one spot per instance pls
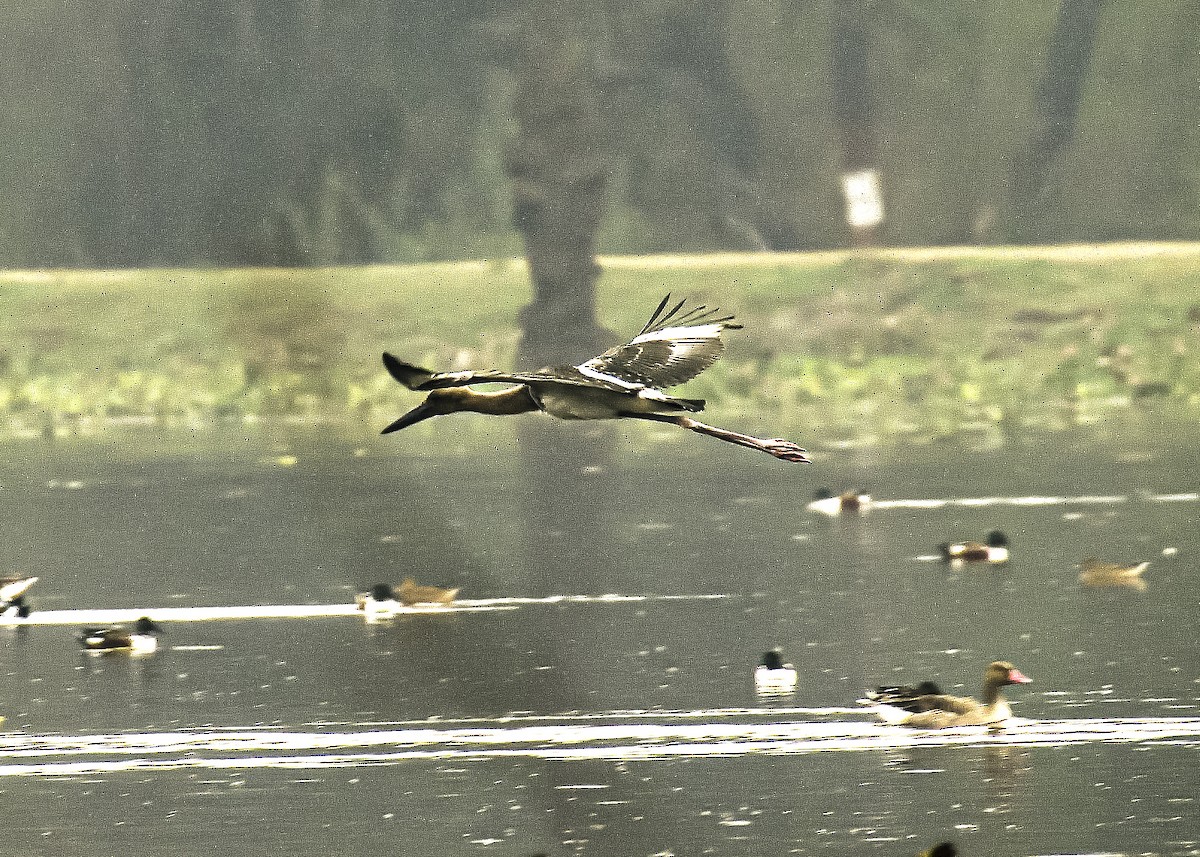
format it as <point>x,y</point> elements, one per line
<point>406,373</point>
<point>421,412</point>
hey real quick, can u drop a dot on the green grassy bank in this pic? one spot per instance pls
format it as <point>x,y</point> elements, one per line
<point>838,347</point>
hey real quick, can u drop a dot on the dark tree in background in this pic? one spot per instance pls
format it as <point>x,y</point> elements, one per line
<point>1055,109</point>
<point>559,175</point>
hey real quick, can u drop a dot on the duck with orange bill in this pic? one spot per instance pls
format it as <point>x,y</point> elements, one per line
<point>921,709</point>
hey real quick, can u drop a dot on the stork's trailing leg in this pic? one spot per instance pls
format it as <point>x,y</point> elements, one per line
<point>775,446</point>
<point>675,346</point>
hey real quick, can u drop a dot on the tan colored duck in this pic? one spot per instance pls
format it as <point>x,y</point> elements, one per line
<point>410,592</point>
<point>1093,572</point>
<point>915,707</point>
<point>994,549</point>
<point>384,600</point>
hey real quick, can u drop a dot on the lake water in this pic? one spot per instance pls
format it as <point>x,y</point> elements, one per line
<point>593,696</point>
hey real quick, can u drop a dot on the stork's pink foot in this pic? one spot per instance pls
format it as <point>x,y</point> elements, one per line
<point>786,450</point>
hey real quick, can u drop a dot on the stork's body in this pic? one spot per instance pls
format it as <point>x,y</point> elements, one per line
<point>624,382</point>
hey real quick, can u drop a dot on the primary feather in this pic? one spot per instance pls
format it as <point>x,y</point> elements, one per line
<point>672,348</point>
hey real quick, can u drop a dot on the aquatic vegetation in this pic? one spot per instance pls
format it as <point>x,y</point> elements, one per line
<point>982,344</point>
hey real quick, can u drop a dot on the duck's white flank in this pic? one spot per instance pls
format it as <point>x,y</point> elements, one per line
<point>782,680</point>
<point>16,588</point>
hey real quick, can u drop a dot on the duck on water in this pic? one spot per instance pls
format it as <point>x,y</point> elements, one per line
<point>828,503</point>
<point>1093,572</point>
<point>12,596</point>
<point>993,549</point>
<point>773,677</point>
<point>626,382</point>
<point>141,639</point>
<point>383,600</point>
<point>926,707</point>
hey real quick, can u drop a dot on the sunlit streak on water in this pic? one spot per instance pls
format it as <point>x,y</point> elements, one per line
<point>938,503</point>
<point>316,611</point>
<point>58,755</point>
<point>1036,500</point>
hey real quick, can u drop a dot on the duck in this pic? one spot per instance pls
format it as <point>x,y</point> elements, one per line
<point>993,549</point>
<point>410,592</point>
<point>379,602</point>
<point>908,691</point>
<point>828,503</point>
<point>626,382</point>
<point>908,706</point>
<point>942,849</point>
<point>12,596</point>
<point>142,639</point>
<point>773,677</point>
<point>1093,572</point>
<point>384,600</point>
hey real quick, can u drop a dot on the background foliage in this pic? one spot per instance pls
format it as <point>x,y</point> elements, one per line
<point>838,348</point>
<point>255,132</point>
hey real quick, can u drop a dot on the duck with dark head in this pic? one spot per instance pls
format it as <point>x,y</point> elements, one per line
<point>141,639</point>
<point>993,549</point>
<point>828,503</point>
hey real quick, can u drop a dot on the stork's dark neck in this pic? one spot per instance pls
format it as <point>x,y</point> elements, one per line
<point>506,402</point>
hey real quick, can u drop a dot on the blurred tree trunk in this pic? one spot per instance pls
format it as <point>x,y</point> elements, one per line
<point>559,177</point>
<point>558,184</point>
<point>1055,107</point>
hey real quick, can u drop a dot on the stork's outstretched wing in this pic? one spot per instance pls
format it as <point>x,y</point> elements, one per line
<point>674,346</point>
<point>416,378</point>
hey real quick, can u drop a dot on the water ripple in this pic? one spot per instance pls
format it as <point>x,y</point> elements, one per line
<point>313,611</point>
<point>673,735</point>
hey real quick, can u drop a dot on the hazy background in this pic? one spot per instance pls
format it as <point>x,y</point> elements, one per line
<point>296,133</point>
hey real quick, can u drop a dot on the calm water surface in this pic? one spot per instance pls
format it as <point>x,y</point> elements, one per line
<point>596,725</point>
